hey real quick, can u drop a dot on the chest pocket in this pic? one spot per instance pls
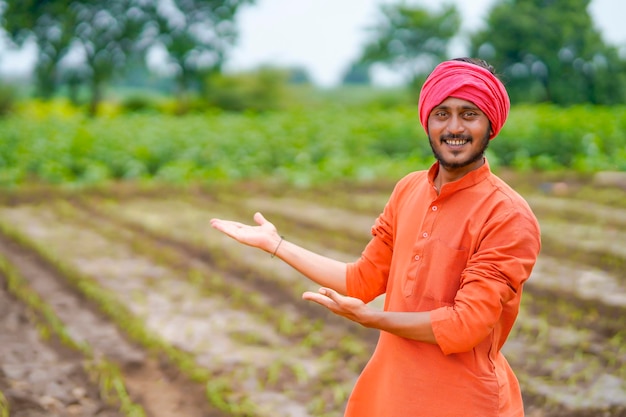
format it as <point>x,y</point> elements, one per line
<point>439,277</point>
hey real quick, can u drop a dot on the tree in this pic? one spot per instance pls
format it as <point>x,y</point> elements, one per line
<point>357,73</point>
<point>101,33</point>
<point>47,22</point>
<point>549,50</point>
<point>411,39</point>
<point>196,34</point>
<point>106,33</point>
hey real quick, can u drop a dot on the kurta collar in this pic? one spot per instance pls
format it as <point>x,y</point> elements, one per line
<point>468,180</point>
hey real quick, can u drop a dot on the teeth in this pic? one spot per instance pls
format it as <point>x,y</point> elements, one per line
<point>457,142</point>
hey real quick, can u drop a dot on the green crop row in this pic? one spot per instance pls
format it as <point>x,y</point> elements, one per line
<point>51,143</point>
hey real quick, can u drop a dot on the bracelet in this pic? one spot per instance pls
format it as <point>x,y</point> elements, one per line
<point>277,246</point>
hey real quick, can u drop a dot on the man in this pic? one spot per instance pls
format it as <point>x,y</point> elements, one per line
<point>451,251</point>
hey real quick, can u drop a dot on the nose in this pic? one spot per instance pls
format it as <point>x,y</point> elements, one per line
<point>455,125</point>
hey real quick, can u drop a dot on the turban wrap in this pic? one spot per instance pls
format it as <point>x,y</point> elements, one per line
<point>469,82</point>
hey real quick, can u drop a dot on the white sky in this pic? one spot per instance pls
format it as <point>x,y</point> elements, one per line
<point>304,33</point>
<point>324,36</point>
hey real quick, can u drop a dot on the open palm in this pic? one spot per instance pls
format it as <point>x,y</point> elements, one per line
<point>261,236</point>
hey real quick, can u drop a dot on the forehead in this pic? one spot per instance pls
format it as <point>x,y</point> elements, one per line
<point>456,103</point>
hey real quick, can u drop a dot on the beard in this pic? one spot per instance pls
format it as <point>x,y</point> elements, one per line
<point>454,164</point>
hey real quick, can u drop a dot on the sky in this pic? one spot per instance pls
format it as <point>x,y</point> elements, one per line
<point>304,33</point>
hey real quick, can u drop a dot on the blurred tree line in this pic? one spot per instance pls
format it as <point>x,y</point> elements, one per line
<point>89,42</point>
<point>545,50</point>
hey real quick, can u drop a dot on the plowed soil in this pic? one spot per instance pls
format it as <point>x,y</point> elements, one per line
<point>133,281</point>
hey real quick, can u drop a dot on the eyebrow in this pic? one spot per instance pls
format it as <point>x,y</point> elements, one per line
<point>463,107</point>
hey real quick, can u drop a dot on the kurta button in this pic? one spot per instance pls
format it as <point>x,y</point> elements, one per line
<point>425,234</point>
<point>434,208</point>
<point>417,257</point>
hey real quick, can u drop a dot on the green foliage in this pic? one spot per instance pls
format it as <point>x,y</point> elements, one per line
<point>410,38</point>
<point>260,90</point>
<point>548,137</point>
<point>139,103</point>
<point>301,146</point>
<point>550,51</point>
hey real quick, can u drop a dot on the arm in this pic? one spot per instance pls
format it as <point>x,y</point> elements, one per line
<point>411,325</point>
<point>319,269</point>
<point>331,275</point>
<point>492,280</point>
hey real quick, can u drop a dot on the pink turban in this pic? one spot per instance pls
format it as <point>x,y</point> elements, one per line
<point>469,82</point>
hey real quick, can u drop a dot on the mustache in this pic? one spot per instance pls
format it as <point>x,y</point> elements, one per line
<point>452,136</point>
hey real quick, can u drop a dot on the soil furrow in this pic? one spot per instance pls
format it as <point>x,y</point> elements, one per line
<point>155,387</point>
<point>568,347</point>
<point>228,272</point>
<point>173,309</point>
<point>190,229</point>
<point>578,210</point>
<point>42,378</point>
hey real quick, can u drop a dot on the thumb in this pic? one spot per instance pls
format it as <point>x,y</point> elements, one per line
<point>259,219</point>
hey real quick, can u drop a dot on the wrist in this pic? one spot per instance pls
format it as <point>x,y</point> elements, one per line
<point>276,245</point>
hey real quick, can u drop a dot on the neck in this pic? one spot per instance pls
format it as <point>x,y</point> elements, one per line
<point>451,174</point>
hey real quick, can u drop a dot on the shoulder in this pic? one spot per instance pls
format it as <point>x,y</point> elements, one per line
<point>412,180</point>
<point>504,191</point>
<point>510,203</point>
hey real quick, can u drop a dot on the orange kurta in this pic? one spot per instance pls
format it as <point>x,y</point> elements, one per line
<point>463,255</point>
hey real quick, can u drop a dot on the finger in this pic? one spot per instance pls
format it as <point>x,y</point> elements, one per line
<point>258,217</point>
<point>219,225</point>
<point>329,292</point>
<point>307,295</point>
<point>317,298</point>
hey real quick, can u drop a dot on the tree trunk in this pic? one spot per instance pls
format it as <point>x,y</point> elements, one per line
<point>96,97</point>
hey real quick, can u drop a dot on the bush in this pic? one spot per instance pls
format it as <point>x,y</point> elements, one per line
<point>261,90</point>
<point>139,103</point>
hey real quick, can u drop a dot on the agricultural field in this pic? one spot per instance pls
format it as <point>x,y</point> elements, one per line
<point>120,300</point>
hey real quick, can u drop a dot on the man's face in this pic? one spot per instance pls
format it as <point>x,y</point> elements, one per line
<point>458,132</point>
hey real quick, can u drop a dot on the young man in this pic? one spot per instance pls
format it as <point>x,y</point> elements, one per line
<point>451,251</point>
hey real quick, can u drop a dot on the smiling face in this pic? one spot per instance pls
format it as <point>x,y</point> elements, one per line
<point>458,132</point>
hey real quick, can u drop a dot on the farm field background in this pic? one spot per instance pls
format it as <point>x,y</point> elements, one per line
<point>118,299</point>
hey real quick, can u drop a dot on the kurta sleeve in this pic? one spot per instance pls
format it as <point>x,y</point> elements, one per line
<point>494,276</point>
<point>367,278</point>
